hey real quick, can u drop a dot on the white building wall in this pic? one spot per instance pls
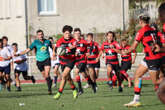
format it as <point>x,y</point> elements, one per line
<point>12,21</point>
<point>103,15</point>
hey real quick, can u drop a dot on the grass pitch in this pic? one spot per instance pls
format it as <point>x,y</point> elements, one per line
<point>34,97</point>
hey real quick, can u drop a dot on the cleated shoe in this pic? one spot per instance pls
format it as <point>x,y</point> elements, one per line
<point>120,89</point>
<point>75,94</point>
<point>133,104</point>
<point>80,91</point>
<point>33,80</point>
<point>57,96</point>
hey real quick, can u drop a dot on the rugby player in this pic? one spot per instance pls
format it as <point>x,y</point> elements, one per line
<point>20,66</point>
<point>93,59</point>
<point>55,63</point>
<point>152,58</point>
<point>126,61</point>
<point>67,61</point>
<point>111,49</point>
<point>5,57</point>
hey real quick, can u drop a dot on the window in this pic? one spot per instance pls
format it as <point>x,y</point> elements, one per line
<point>47,7</point>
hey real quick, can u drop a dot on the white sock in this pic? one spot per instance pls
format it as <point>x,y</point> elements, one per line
<point>136,98</point>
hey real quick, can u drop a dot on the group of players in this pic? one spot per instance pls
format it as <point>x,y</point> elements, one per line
<point>84,53</point>
<point>9,62</point>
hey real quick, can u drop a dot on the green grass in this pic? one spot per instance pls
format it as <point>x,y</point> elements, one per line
<point>35,98</point>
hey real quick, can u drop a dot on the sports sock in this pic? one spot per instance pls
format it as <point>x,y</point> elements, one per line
<point>89,81</point>
<point>55,79</point>
<point>49,83</point>
<point>79,82</point>
<point>137,90</point>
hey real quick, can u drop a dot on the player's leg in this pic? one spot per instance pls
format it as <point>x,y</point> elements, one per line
<point>48,78</point>
<point>141,70</point>
<point>65,75</point>
<point>7,77</point>
<point>18,84</point>
<point>27,77</point>
<point>56,74</point>
<point>109,75</point>
<point>87,78</point>
<point>93,77</point>
<point>97,68</point>
<point>78,80</point>
<point>1,80</point>
<point>44,68</point>
<point>124,67</point>
<point>72,86</point>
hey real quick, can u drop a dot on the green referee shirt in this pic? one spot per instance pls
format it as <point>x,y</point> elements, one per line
<point>42,49</point>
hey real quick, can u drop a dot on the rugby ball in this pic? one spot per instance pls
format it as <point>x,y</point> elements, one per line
<point>61,51</point>
<point>1,58</point>
<point>161,92</point>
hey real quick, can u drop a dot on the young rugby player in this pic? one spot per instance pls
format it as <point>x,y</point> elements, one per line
<point>147,36</point>
<point>5,57</point>
<point>42,56</point>
<point>111,49</point>
<point>81,49</point>
<point>93,58</point>
<point>67,61</point>
<point>20,66</point>
<point>126,61</point>
<point>55,63</point>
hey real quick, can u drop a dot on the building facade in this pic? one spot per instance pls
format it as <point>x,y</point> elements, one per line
<point>21,17</point>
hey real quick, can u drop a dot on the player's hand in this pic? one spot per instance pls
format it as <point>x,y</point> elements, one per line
<point>133,61</point>
<point>157,48</point>
<point>124,52</point>
<point>72,46</point>
<point>53,58</point>
<point>97,59</point>
<point>87,54</point>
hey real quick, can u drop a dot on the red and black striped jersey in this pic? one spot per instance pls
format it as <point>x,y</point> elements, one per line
<point>111,55</point>
<point>147,36</point>
<point>127,57</point>
<point>70,53</point>
<point>81,50</point>
<point>93,49</point>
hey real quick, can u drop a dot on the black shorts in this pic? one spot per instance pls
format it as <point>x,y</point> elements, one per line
<point>81,67</point>
<point>19,72</point>
<point>5,69</point>
<point>125,65</point>
<point>153,64</point>
<point>44,63</point>
<point>96,65</point>
<point>163,60</point>
<point>115,67</point>
<point>69,65</point>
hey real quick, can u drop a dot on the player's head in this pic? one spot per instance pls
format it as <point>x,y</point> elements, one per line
<point>77,33</point>
<point>82,37</point>
<point>154,26</point>
<point>40,34</point>
<point>67,30</point>
<point>110,36</point>
<point>51,39</point>
<point>89,37</point>
<point>124,42</point>
<point>15,46</point>
<point>143,20</point>
<point>1,43</point>
<point>5,40</point>
<point>161,11</point>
